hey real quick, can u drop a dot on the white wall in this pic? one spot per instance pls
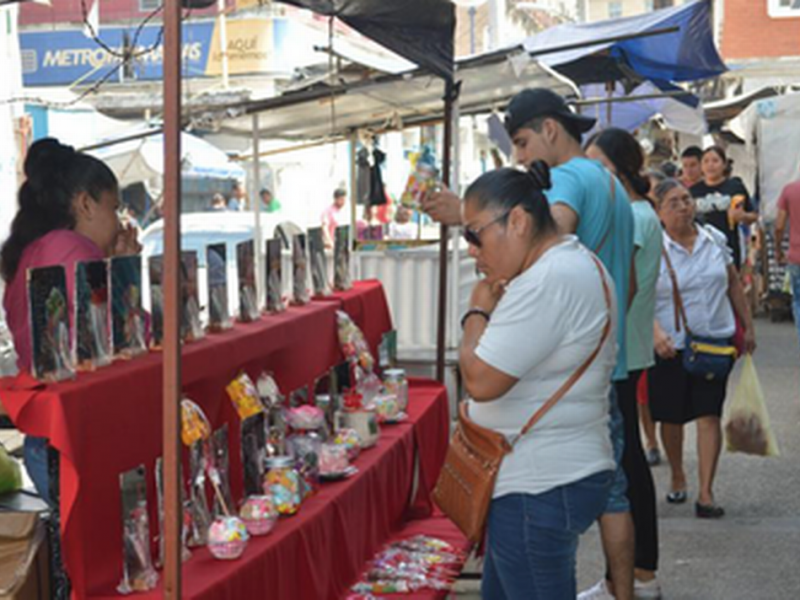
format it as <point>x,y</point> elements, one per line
<point>10,87</point>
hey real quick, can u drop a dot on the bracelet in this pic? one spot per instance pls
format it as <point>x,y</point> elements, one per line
<point>475,311</point>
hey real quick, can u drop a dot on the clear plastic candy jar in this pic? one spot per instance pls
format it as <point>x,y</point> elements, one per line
<point>305,446</point>
<point>395,382</point>
<point>282,484</point>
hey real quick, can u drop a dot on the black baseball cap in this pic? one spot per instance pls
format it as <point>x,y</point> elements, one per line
<point>540,102</point>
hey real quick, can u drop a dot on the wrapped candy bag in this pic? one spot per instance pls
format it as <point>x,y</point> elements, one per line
<point>194,423</point>
<point>300,294</point>
<point>222,466</point>
<point>186,554</point>
<point>354,345</point>
<point>245,397</point>
<point>198,503</point>
<point>305,417</point>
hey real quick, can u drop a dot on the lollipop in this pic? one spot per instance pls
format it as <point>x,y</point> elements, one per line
<point>227,538</point>
<point>259,515</point>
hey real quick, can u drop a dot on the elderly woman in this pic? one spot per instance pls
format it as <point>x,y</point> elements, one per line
<point>542,311</point>
<point>712,296</point>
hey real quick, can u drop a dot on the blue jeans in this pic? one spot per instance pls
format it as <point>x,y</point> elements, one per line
<point>34,454</point>
<point>533,540</point>
<point>618,496</point>
<point>794,278</point>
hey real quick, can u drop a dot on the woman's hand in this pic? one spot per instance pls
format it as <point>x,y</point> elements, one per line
<point>486,294</point>
<point>664,345</point>
<point>127,243</point>
<point>750,341</point>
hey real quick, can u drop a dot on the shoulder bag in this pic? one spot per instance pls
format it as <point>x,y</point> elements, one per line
<point>466,483</point>
<point>709,358</point>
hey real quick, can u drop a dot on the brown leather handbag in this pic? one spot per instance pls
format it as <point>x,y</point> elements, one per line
<point>466,483</point>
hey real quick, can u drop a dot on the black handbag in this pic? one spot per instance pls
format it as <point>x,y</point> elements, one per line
<point>709,358</point>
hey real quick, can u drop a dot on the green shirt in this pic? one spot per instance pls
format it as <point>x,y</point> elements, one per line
<point>273,206</point>
<point>647,241</point>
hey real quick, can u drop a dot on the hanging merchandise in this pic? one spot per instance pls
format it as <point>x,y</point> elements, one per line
<point>377,193</point>
<point>363,176</point>
<point>422,180</point>
<point>138,573</point>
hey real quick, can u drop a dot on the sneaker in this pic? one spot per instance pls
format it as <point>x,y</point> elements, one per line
<point>653,457</point>
<point>647,591</point>
<point>598,592</point>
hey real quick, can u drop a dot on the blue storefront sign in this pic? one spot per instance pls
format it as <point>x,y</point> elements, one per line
<point>69,57</point>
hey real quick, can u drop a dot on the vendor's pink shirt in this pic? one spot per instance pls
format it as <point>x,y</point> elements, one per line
<point>790,202</point>
<point>62,247</point>
<point>330,219</point>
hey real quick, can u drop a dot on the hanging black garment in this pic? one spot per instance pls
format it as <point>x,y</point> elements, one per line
<point>377,195</point>
<point>363,177</point>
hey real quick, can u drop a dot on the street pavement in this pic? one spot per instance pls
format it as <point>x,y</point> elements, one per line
<point>753,553</point>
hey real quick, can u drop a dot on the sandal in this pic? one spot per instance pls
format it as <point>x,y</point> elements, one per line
<point>677,497</point>
<point>708,511</point>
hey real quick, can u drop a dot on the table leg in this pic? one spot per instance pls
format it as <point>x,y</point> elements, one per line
<point>59,582</point>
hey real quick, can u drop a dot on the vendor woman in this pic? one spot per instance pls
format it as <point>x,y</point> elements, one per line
<point>67,214</point>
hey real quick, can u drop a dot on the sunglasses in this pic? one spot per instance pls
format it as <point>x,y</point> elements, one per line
<point>473,236</point>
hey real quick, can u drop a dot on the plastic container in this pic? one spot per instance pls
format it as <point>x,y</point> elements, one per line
<point>227,538</point>
<point>259,515</point>
<point>395,382</point>
<point>305,447</point>
<point>282,484</point>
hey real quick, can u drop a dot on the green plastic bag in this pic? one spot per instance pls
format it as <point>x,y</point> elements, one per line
<point>748,429</point>
<point>10,473</point>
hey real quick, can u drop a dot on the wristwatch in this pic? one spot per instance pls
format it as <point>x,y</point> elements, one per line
<point>475,311</point>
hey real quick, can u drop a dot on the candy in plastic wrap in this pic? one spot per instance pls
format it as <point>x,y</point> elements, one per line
<point>354,345</point>
<point>305,417</point>
<point>227,538</point>
<point>282,483</point>
<point>187,517</point>
<point>244,395</point>
<point>254,448</point>
<point>194,423</point>
<point>198,502</point>
<point>300,294</point>
<point>138,573</point>
<point>350,440</point>
<point>222,465</point>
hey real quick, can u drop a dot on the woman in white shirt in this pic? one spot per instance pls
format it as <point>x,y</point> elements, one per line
<point>538,315</point>
<point>710,291</point>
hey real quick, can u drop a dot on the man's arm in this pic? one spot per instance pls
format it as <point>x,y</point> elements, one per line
<point>780,229</point>
<point>566,219</point>
<point>443,207</point>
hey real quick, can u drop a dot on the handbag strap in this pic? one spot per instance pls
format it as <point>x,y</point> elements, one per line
<point>562,391</point>
<point>677,301</point>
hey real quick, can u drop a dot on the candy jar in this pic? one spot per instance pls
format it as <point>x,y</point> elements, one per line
<point>304,446</point>
<point>259,515</point>
<point>282,483</point>
<point>350,441</point>
<point>227,538</point>
<point>395,383</point>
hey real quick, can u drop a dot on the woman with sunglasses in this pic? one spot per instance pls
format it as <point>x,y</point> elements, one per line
<point>67,214</point>
<point>545,308</point>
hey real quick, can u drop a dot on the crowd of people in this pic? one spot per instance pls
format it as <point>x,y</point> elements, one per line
<point>670,249</point>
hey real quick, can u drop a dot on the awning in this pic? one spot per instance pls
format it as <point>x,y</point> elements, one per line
<point>140,160</point>
<point>406,99</point>
<point>687,54</point>
<point>418,30</point>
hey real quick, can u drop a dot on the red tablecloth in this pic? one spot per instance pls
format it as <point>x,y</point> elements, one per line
<point>319,553</point>
<point>367,305</point>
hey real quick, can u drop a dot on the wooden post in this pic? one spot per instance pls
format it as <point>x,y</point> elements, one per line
<point>173,511</point>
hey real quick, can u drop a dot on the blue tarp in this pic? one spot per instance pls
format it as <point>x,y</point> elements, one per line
<point>688,54</point>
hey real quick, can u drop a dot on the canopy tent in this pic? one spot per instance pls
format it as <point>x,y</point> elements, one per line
<point>142,159</point>
<point>393,100</point>
<point>687,54</point>
<point>418,30</point>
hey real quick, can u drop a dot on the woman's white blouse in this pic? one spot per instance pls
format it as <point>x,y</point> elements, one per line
<point>703,283</point>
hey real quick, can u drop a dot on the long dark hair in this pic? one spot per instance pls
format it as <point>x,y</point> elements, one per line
<point>54,174</point>
<point>626,154</point>
<point>723,156</point>
<point>506,188</point>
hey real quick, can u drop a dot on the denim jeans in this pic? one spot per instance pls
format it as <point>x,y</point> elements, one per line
<point>617,497</point>
<point>35,458</point>
<point>794,278</point>
<point>533,540</point>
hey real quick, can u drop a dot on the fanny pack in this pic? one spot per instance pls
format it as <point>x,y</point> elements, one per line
<point>706,357</point>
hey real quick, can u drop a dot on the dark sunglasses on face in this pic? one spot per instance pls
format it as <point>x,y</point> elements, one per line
<point>473,236</point>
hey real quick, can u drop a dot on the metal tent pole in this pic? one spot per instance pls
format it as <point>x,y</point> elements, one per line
<point>444,234</point>
<point>171,395</point>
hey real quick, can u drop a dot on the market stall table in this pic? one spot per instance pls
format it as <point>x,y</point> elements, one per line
<point>319,553</point>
